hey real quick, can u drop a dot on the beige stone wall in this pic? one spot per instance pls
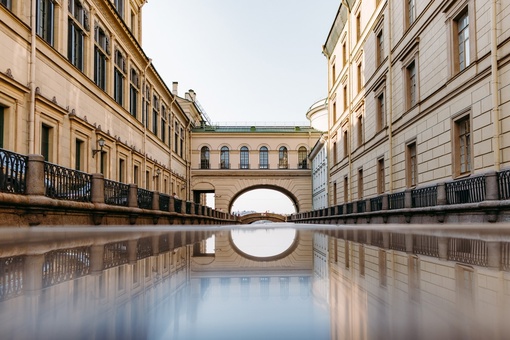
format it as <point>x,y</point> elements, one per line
<point>443,93</point>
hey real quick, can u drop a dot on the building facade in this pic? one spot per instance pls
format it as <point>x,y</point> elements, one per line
<point>417,94</point>
<point>77,87</point>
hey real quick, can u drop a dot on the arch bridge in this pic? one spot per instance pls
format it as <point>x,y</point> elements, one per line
<point>250,218</point>
<point>232,160</point>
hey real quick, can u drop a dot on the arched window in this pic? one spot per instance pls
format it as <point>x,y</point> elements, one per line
<point>245,158</point>
<point>204,158</point>
<point>283,162</point>
<point>224,158</point>
<point>263,158</point>
<point>302,158</point>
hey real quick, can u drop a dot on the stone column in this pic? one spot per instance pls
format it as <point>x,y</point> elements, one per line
<point>408,199</point>
<point>97,189</point>
<point>491,186</point>
<point>441,194</point>
<point>494,255</point>
<point>96,259</point>
<point>385,202</point>
<point>155,200</point>
<point>35,175</point>
<point>386,239</point>
<point>443,248</point>
<point>32,273</point>
<point>132,247</point>
<point>133,196</point>
<point>409,243</point>
<point>155,245</point>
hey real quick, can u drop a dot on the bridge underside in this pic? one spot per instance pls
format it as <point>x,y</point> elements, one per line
<point>251,218</point>
<point>228,185</point>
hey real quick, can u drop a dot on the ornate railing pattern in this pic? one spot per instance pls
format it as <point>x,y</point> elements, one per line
<point>12,172</point>
<point>67,184</point>
<point>116,193</point>
<point>398,241</point>
<point>504,184</point>
<point>349,208</point>
<point>188,208</point>
<point>468,251</point>
<point>178,205</point>
<point>362,236</point>
<point>396,200</point>
<point>467,190</point>
<point>65,264</point>
<point>164,202</point>
<point>144,198</point>
<point>144,248</point>
<point>376,203</point>
<point>115,254</point>
<point>361,206</point>
<point>377,238</point>
<point>426,245</point>
<point>11,276</point>
<point>424,197</point>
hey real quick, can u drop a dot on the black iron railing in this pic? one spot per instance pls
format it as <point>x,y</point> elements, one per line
<point>65,264</point>
<point>116,193</point>
<point>164,202</point>
<point>349,208</point>
<point>12,172</point>
<point>188,208</point>
<point>178,205</point>
<point>361,206</point>
<point>164,243</point>
<point>426,245</point>
<point>467,190</point>
<point>67,184</point>
<point>504,184</point>
<point>11,276</point>
<point>144,248</point>
<point>376,203</point>
<point>396,200</point>
<point>377,238</point>
<point>424,197</point>
<point>468,251</point>
<point>398,241</point>
<point>115,254</point>
<point>144,198</point>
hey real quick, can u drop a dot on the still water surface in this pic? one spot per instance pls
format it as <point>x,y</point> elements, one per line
<point>193,282</point>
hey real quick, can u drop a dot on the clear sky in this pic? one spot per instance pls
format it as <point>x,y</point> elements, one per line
<point>248,61</point>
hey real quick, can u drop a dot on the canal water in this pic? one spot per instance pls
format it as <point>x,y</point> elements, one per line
<point>265,281</point>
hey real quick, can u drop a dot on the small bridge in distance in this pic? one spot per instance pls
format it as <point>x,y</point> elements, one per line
<point>254,217</point>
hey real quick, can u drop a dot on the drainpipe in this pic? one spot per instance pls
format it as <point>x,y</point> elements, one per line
<point>144,122</point>
<point>31,116</point>
<point>390,98</point>
<point>495,86</point>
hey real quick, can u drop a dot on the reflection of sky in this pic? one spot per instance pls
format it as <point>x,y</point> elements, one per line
<point>280,308</point>
<point>263,242</point>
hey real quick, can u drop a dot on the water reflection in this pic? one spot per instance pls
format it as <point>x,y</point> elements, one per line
<point>162,283</point>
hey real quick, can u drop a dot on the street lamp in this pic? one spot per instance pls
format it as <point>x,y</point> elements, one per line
<point>100,142</point>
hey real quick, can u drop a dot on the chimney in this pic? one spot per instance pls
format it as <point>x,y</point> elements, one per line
<point>175,86</point>
<point>192,94</point>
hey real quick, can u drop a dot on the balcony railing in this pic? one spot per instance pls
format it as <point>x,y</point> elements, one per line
<point>116,193</point>
<point>12,172</point>
<point>376,203</point>
<point>11,276</point>
<point>468,251</point>
<point>467,190</point>
<point>426,245</point>
<point>144,199</point>
<point>396,200</point>
<point>65,264</point>
<point>424,197</point>
<point>504,184</point>
<point>115,254</point>
<point>398,241</point>
<point>67,184</point>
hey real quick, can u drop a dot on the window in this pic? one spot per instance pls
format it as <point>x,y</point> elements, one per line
<point>118,77</point>
<point>380,112</point>
<point>163,123</point>
<point>380,48</point>
<point>345,97</point>
<point>134,87</point>
<point>462,144</point>
<point>359,128</point>
<point>224,157</point>
<point>410,12</point>
<point>78,154</point>
<point>358,26</point>
<point>119,6</point>
<point>283,161</point>
<point>462,25</point>
<point>302,158</point>
<point>181,143</point>
<point>346,142</point>
<point>381,184</point>
<point>101,50</point>
<point>45,20</point>
<point>334,112</point>
<point>204,158</point>
<point>346,189</point>
<point>411,85</point>
<point>146,105</point>
<point>335,198</point>
<point>6,3</point>
<point>2,126</point>
<point>155,114</point>
<point>411,165</point>
<point>360,184</point>
<point>360,76</point>
<point>77,25</point>
<point>335,153</point>
<point>245,158</point>
<point>176,137</point>
<point>122,169</point>
<point>263,158</point>
<point>333,74</point>
<point>46,132</point>
<point>136,174</point>
<point>344,52</point>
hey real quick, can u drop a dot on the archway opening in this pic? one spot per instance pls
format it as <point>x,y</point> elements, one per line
<point>263,244</point>
<point>263,200</point>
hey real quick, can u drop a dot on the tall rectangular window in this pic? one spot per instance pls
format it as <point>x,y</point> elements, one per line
<point>411,85</point>
<point>462,24</point>
<point>344,52</point>
<point>380,48</point>
<point>333,74</point>
<point>46,142</point>
<point>101,49</point>
<point>134,87</point>
<point>176,137</point>
<point>119,6</point>
<point>118,77</point>
<point>334,113</point>
<point>163,123</point>
<point>78,154</point>
<point>122,170</point>
<point>346,100</point>
<point>45,20</point>
<point>335,153</point>
<point>381,179</point>
<point>181,146</point>
<point>335,196</point>
<point>463,145</point>
<point>360,76</point>
<point>77,25</point>
<point>411,165</point>
<point>380,112</point>
<point>410,12</point>
<point>146,105</point>
<point>6,3</point>
<point>136,174</point>
<point>358,26</point>
<point>244,158</point>
<point>360,184</point>
<point>359,127</point>
<point>2,126</point>
<point>346,189</point>
<point>155,114</point>
<point>346,142</point>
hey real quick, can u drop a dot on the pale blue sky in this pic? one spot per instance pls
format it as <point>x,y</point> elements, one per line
<point>248,61</point>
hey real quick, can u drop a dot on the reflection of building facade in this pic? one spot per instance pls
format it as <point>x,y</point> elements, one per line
<point>414,94</point>
<point>74,73</point>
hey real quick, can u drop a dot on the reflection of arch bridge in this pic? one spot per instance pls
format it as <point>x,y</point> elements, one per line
<point>232,160</point>
<point>250,218</point>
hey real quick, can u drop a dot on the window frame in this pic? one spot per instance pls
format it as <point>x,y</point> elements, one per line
<point>224,157</point>
<point>283,157</point>
<point>263,157</point>
<point>205,157</point>
<point>101,57</point>
<point>381,176</point>
<point>411,164</point>
<point>244,158</point>
<point>453,14</point>
<point>457,153</point>
<point>45,20</point>
<point>119,77</point>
